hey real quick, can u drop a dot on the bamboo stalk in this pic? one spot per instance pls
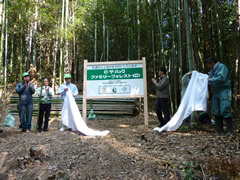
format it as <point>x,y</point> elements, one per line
<point>189,36</point>
<point>6,52</point>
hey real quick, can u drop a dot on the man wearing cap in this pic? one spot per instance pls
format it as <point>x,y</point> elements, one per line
<point>219,80</point>
<point>67,86</point>
<point>162,88</point>
<point>25,89</point>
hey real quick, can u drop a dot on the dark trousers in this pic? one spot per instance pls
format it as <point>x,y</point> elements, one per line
<point>25,114</point>
<point>162,107</point>
<point>44,108</point>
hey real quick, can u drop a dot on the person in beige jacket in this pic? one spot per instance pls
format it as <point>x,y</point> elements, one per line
<point>162,93</point>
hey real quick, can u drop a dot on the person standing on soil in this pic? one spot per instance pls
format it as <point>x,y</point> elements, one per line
<point>162,106</point>
<point>219,80</point>
<point>45,105</point>
<point>67,86</point>
<point>25,89</point>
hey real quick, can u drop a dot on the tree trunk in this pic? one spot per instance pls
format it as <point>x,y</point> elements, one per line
<point>160,20</point>
<point>55,54</point>
<point>207,28</point>
<point>138,29</point>
<point>21,46</point>
<point>12,54</point>
<point>129,31</point>
<point>61,49</point>
<point>30,43</point>
<point>189,36</point>
<point>153,54</point>
<point>1,14</point>
<point>67,64</point>
<point>104,31</point>
<point>34,34</point>
<point>2,41</point>
<point>95,39</point>
<point>74,45</point>
<point>220,46</point>
<point>107,43</point>
<point>179,38</point>
<point>239,47</point>
<point>6,51</point>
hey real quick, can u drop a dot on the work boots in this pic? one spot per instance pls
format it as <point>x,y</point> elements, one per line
<point>219,124</point>
<point>229,125</point>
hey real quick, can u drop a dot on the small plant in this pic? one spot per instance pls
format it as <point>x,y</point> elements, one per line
<point>188,173</point>
<point>184,128</point>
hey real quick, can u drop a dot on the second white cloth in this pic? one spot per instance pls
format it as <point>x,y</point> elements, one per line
<point>194,99</point>
<point>72,118</point>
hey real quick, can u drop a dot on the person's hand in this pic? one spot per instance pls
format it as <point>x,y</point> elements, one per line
<point>154,81</point>
<point>65,89</point>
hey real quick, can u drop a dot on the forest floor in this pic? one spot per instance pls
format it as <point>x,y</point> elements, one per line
<point>130,151</point>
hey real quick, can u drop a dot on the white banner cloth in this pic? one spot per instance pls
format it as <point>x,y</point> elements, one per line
<point>194,99</point>
<point>72,118</point>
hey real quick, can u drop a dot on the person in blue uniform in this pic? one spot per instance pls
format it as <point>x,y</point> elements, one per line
<point>219,80</point>
<point>25,89</point>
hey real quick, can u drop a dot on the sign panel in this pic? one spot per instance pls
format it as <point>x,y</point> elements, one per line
<point>115,80</point>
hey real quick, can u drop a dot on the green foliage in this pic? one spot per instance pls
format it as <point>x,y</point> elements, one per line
<point>184,128</point>
<point>188,171</point>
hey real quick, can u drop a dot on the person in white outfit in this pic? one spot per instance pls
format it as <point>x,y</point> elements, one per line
<point>67,86</point>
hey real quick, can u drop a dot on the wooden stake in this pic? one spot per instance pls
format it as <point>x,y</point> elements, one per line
<point>84,110</point>
<point>145,92</point>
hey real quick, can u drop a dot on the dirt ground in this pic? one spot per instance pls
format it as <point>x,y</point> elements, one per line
<point>130,151</point>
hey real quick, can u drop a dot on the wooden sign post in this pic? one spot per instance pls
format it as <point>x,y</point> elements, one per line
<point>117,79</point>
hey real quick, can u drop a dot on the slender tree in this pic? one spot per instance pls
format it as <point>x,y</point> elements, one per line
<point>179,38</point>
<point>189,35</point>
<point>6,51</point>
<point>138,30</point>
<point>218,30</point>
<point>153,53</point>
<point>238,88</point>
<point>160,27</point>
<point>104,31</point>
<point>207,28</point>
<point>67,66</point>
<point>2,38</point>
<point>34,33</point>
<point>61,42</point>
<point>129,31</point>
<point>56,51</point>
<point>95,38</point>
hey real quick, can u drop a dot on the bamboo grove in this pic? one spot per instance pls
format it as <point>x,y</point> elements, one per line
<point>55,36</point>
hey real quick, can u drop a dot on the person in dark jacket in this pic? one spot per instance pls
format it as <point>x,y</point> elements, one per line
<point>162,106</point>
<point>25,89</point>
<point>219,79</point>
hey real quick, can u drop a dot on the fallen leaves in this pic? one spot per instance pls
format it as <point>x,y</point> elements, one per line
<point>131,151</point>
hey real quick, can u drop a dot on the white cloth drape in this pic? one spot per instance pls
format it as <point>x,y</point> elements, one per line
<point>194,99</point>
<point>72,118</point>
